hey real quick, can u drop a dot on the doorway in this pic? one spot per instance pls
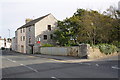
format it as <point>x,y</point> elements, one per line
<point>22,48</point>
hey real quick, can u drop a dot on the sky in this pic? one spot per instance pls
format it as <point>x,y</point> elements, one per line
<point>14,12</point>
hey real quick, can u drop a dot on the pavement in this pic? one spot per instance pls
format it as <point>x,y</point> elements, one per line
<point>70,59</point>
<point>66,58</point>
<point>18,65</point>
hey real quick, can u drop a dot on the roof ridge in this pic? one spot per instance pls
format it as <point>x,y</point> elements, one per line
<point>33,21</point>
<point>40,17</point>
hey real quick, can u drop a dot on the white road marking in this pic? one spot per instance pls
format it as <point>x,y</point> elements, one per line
<point>97,65</point>
<point>31,68</point>
<point>55,78</point>
<point>10,60</point>
<point>13,61</point>
<point>87,63</point>
<point>22,65</point>
<point>115,67</point>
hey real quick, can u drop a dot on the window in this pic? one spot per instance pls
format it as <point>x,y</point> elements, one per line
<point>39,39</point>
<point>49,27</point>
<point>29,40</point>
<point>29,28</point>
<point>51,36</point>
<point>21,30</point>
<point>23,38</point>
<point>45,37</point>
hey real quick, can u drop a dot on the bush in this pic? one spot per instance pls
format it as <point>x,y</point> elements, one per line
<point>37,53</point>
<point>74,45</point>
<point>107,48</point>
<point>2,48</point>
<point>47,45</point>
<point>116,43</point>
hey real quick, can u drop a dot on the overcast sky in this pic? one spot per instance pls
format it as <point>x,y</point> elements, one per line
<point>14,12</point>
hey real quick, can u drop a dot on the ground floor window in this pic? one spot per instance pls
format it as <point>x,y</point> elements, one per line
<point>45,37</point>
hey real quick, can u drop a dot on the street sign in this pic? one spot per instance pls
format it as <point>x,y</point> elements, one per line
<point>38,42</point>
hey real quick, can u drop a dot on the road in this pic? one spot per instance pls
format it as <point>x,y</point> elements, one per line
<point>18,65</point>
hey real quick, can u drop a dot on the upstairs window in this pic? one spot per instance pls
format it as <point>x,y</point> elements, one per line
<point>45,37</point>
<point>29,40</point>
<point>21,30</point>
<point>49,27</point>
<point>29,28</point>
<point>23,38</point>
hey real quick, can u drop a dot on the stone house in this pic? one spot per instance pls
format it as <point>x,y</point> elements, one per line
<point>14,44</point>
<point>6,43</point>
<point>35,32</point>
<point>2,43</point>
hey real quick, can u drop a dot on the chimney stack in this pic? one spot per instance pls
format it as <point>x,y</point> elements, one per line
<point>28,20</point>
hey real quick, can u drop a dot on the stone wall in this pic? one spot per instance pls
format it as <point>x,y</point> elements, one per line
<point>83,50</point>
<point>76,51</point>
<point>73,51</point>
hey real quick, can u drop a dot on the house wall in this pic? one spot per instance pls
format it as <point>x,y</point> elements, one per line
<point>8,45</point>
<point>30,34</point>
<point>13,44</point>
<point>2,43</point>
<point>16,42</point>
<point>21,45</point>
<point>37,30</point>
<point>41,28</point>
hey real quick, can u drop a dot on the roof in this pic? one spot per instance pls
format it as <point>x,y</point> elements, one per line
<point>33,22</point>
<point>1,39</point>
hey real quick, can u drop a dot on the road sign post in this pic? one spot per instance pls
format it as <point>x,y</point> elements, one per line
<point>39,44</point>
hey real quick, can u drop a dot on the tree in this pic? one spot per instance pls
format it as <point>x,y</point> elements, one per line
<point>68,29</point>
<point>87,26</point>
<point>62,34</point>
<point>115,14</point>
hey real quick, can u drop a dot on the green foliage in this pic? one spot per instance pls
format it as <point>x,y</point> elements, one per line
<point>66,34</point>
<point>87,26</point>
<point>107,48</point>
<point>2,48</point>
<point>116,43</point>
<point>37,53</point>
<point>47,45</point>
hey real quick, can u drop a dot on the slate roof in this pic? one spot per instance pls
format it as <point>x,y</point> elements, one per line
<point>33,22</point>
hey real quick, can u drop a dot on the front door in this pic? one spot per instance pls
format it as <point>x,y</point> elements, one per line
<point>22,48</point>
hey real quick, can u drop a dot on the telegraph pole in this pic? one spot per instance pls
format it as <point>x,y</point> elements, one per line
<point>9,32</point>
